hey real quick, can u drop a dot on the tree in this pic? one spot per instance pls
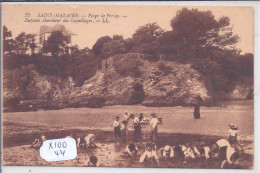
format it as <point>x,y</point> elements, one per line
<point>23,42</point>
<point>86,51</point>
<point>75,50</point>
<point>145,38</point>
<point>194,31</point>
<point>56,44</point>
<point>8,43</point>
<point>99,44</point>
<point>112,48</point>
<point>147,33</point>
<point>118,37</point>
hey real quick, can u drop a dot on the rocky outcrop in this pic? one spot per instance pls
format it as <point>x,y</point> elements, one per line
<point>152,87</point>
<point>127,80</point>
<point>177,86</point>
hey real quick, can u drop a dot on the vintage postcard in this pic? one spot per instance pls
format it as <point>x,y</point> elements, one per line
<point>127,86</point>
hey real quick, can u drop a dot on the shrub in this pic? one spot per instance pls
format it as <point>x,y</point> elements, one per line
<point>165,69</point>
<point>127,67</point>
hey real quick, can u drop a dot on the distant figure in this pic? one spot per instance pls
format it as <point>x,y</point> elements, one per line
<point>117,130</point>
<point>149,156</point>
<point>234,137</point>
<point>131,150</point>
<point>196,112</point>
<point>167,152</point>
<point>38,141</point>
<point>154,129</point>
<point>92,161</point>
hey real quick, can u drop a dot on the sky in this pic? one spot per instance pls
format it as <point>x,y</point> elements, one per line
<point>123,20</point>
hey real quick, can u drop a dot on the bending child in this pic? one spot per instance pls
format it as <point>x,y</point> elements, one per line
<point>149,156</point>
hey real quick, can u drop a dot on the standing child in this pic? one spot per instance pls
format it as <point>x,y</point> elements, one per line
<point>137,128</point>
<point>122,125</point>
<point>234,136</point>
<point>126,119</point>
<point>117,130</point>
<point>154,122</point>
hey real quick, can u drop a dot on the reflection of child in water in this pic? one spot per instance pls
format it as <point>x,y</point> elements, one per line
<point>149,156</point>
<point>92,161</point>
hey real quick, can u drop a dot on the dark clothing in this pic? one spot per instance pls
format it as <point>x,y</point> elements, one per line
<point>137,132</point>
<point>178,154</point>
<point>222,153</point>
<point>117,132</point>
<point>196,112</point>
<point>232,139</point>
<point>154,135</point>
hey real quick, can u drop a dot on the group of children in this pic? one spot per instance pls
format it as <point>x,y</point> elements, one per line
<point>121,128</point>
<point>225,151</point>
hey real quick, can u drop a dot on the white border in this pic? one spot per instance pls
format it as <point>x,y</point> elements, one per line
<point>256,5</point>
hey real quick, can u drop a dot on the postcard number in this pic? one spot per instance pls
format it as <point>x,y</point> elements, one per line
<point>58,149</point>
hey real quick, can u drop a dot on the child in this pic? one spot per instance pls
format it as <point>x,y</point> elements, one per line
<point>131,150</point>
<point>87,141</point>
<point>149,155</point>
<point>90,141</point>
<point>126,119</point>
<point>137,128</point>
<point>117,130</point>
<point>205,153</point>
<point>231,162</point>
<point>154,122</point>
<point>191,153</point>
<point>123,125</point>
<point>80,142</point>
<point>167,152</point>
<point>234,136</point>
<point>92,161</point>
<point>178,153</point>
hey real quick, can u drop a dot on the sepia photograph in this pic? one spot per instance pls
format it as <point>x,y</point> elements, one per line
<point>137,86</point>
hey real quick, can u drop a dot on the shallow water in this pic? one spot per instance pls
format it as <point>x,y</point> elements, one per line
<point>178,127</point>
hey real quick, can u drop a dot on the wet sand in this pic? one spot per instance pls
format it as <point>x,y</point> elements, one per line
<point>179,127</point>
